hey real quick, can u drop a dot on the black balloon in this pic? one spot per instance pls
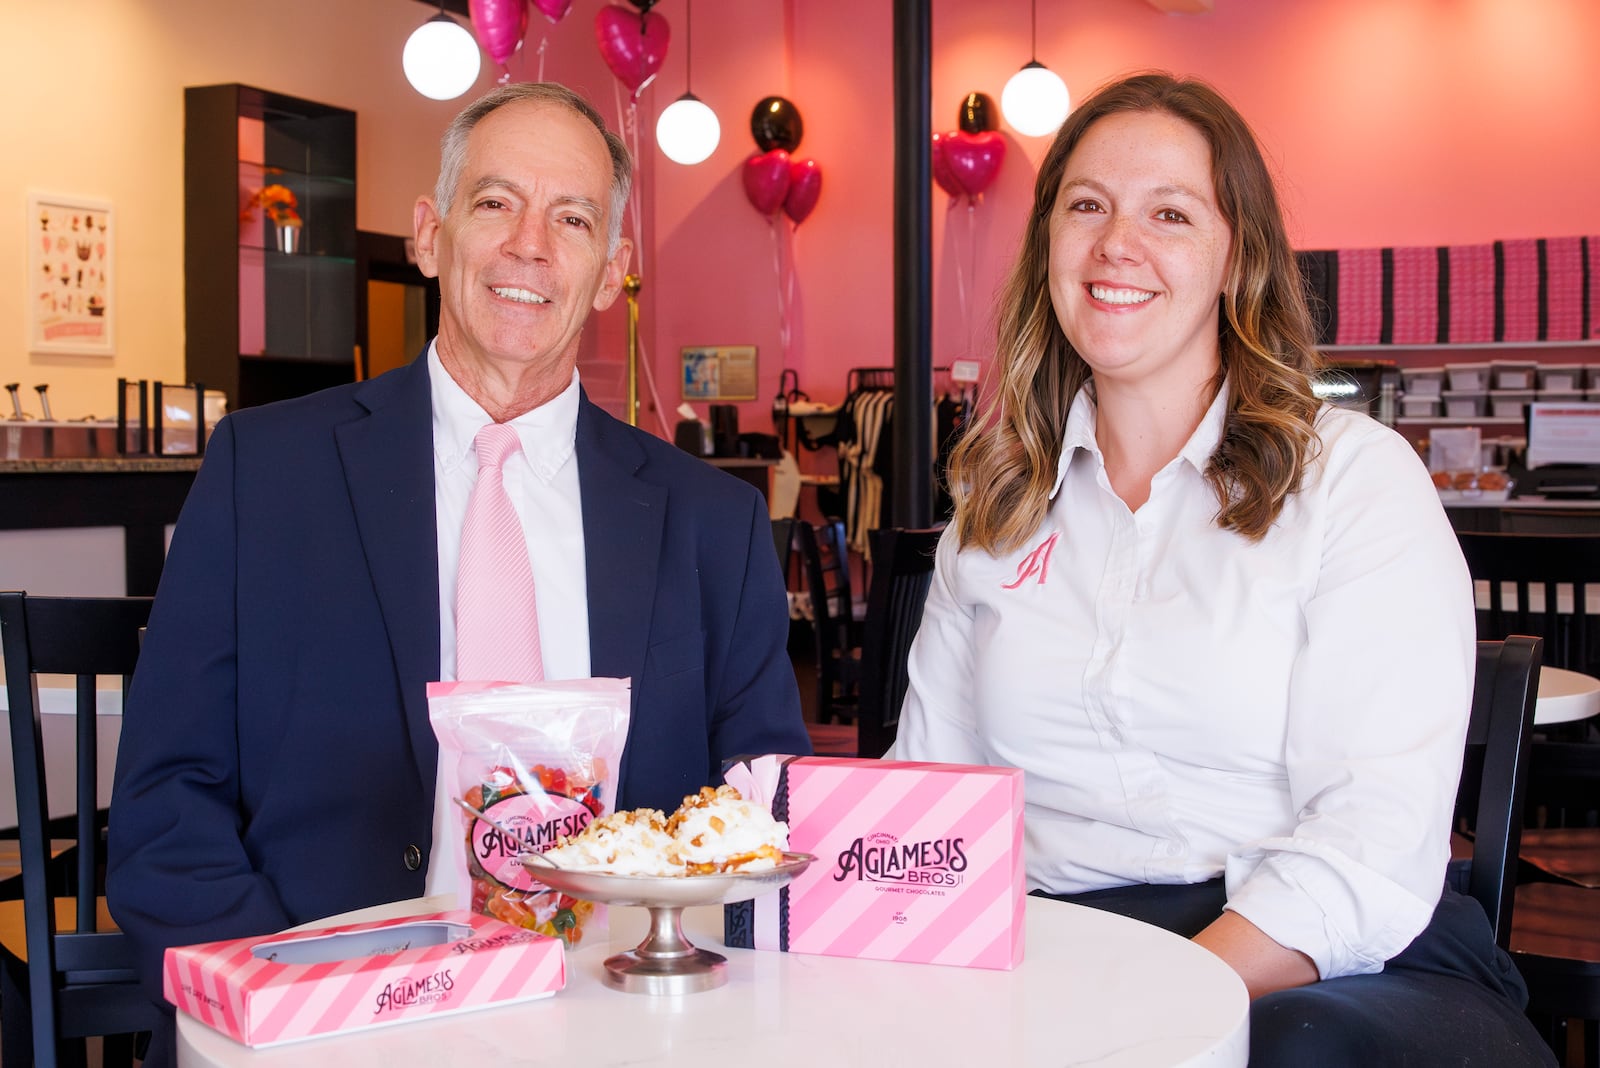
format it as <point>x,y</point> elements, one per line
<point>977,114</point>
<point>775,123</point>
<point>644,6</point>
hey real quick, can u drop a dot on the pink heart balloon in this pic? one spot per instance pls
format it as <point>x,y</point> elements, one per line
<point>974,160</point>
<point>632,44</point>
<point>554,10</point>
<point>941,166</point>
<point>766,180</point>
<point>499,26</point>
<point>805,186</point>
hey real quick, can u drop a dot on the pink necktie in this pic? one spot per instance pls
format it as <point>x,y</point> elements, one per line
<point>497,623</point>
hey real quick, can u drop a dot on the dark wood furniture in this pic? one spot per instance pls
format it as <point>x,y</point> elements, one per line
<point>67,971</point>
<point>142,496</point>
<point>1522,564</point>
<point>262,323</point>
<point>902,571</point>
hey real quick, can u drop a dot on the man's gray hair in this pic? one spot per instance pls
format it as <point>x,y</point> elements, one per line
<point>453,146</point>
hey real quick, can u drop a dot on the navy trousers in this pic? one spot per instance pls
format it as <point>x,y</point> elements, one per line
<point>1450,998</point>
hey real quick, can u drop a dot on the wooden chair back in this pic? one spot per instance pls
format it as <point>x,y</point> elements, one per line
<point>80,980</point>
<point>902,571</point>
<point>1494,771</point>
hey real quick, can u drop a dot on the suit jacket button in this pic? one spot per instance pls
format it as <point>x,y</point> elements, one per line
<point>413,858</point>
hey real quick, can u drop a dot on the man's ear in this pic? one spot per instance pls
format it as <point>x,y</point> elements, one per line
<point>425,223</point>
<point>616,270</point>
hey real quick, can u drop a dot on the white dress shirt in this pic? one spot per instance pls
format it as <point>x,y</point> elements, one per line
<point>1187,703</point>
<point>542,482</point>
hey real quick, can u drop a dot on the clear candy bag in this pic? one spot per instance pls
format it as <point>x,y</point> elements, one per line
<point>540,760</point>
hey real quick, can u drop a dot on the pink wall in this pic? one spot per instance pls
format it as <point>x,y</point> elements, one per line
<point>1391,122</point>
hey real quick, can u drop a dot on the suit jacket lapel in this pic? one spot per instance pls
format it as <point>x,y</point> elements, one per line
<point>622,523</point>
<point>388,463</point>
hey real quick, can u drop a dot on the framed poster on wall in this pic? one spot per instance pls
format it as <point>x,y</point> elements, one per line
<point>719,373</point>
<point>69,292</point>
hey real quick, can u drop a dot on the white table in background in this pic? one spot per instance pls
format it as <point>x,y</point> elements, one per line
<point>1565,697</point>
<point>57,722</point>
<point>1094,988</point>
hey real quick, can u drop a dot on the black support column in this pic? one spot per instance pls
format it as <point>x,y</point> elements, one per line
<point>912,502</point>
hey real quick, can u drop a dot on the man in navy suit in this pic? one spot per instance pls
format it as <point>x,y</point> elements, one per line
<point>277,764</point>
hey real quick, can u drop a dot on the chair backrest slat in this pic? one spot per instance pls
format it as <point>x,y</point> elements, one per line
<point>1494,776</point>
<point>902,570</point>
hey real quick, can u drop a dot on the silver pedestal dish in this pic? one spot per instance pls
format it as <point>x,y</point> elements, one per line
<point>665,962</point>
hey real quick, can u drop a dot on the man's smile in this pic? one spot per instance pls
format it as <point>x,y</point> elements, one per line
<point>521,296</point>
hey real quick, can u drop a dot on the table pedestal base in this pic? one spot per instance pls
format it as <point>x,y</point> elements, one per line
<point>665,963</point>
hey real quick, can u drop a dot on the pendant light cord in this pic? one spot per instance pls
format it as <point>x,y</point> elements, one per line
<point>688,45</point>
<point>1033,31</point>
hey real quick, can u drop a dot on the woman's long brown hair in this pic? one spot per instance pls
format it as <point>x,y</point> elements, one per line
<point>1002,470</point>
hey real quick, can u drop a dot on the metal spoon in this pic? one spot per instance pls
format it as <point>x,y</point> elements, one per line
<point>538,858</point>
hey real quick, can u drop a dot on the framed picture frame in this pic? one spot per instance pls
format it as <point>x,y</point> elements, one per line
<point>70,295</point>
<point>719,372</point>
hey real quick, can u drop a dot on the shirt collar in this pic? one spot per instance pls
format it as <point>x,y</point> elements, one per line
<point>548,433</point>
<point>1081,422</point>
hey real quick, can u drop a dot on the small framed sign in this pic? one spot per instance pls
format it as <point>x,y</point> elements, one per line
<point>69,292</point>
<point>719,373</point>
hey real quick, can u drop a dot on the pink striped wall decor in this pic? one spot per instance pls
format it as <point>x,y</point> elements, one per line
<point>271,989</point>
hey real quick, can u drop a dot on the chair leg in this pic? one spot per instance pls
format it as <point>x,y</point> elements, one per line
<point>16,1022</point>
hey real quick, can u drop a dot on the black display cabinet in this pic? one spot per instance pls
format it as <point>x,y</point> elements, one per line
<point>269,314</point>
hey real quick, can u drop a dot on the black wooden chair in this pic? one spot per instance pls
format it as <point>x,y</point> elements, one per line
<point>68,973</point>
<point>1542,568</point>
<point>825,557</point>
<point>1494,772</point>
<point>902,570</point>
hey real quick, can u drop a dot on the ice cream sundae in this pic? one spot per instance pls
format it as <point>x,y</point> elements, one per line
<point>713,831</point>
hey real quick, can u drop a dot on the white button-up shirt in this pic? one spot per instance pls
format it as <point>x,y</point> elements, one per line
<point>1187,703</point>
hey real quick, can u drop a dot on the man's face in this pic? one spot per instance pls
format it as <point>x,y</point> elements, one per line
<point>521,256</point>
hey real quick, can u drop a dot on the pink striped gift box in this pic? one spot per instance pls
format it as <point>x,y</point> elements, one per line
<point>916,862</point>
<point>272,989</point>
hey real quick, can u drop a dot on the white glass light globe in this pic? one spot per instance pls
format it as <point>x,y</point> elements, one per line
<point>441,59</point>
<point>1035,101</point>
<point>688,130</point>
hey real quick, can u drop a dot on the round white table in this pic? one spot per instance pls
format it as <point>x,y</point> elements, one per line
<point>1565,697</point>
<point>1094,988</point>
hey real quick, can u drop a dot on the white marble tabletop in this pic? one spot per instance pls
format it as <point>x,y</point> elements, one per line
<point>1094,989</point>
<point>1565,697</point>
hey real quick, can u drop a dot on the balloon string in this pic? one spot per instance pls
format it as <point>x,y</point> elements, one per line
<point>778,277</point>
<point>788,303</point>
<point>972,261</point>
<point>628,124</point>
<point>544,42</point>
<point>650,384</point>
<point>950,222</point>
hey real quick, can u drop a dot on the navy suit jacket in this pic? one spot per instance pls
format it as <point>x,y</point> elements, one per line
<point>277,763</point>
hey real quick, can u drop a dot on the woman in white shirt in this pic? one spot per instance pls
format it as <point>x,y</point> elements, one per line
<point>1225,630</point>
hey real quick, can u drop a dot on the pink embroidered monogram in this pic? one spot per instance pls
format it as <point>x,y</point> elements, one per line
<point>1036,563</point>
<point>497,622</point>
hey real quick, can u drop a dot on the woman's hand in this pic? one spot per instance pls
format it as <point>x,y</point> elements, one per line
<point>1264,965</point>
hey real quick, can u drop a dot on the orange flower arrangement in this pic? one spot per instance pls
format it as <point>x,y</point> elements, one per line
<point>279,203</point>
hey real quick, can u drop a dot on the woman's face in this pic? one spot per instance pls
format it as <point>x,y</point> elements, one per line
<point>1139,251</point>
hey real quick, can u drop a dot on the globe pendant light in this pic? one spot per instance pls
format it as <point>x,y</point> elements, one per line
<point>1035,101</point>
<point>688,130</point>
<point>441,59</point>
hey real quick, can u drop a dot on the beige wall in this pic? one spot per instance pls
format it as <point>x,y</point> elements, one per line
<point>93,93</point>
